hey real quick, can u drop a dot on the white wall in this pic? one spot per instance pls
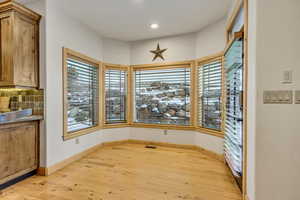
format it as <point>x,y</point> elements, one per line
<point>157,135</point>
<point>211,39</point>
<point>208,142</point>
<point>116,52</point>
<point>180,48</point>
<point>208,41</point>
<point>277,136</point>
<point>63,31</point>
<point>274,47</point>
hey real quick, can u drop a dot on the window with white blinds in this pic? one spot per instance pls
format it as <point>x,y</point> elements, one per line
<point>162,96</point>
<point>82,95</point>
<point>210,95</point>
<point>115,96</point>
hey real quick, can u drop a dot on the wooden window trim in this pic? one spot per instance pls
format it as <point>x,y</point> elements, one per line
<point>169,65</point>
<point>200,62</point>
<point>235,12</point>
<point>239,5</point>
<point>184,64</point>
<point>229,43</point>
<point>68,53</point>
<point>209,59</point>
<point>108,66</point>
<point>210,132</point>
<point>192,64</point>
<point>163,126</point>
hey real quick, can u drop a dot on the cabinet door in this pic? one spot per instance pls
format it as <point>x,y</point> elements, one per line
<point>26,48</point>
<point>18,150</point>
<point>6,50</point>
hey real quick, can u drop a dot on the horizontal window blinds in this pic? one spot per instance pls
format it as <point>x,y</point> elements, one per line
<point>82,95</point>
<point>234,109</point>
<point>115,96</point>
<point>209,95</point>
<point>162,96</point>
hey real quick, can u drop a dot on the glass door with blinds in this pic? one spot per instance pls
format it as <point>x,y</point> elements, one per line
<point>210,95</point>
<point>162,96</point>
<point>115,96</point>
<point>234,108</point>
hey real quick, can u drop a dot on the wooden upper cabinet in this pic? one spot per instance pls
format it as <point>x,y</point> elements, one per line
<point>19,46</point>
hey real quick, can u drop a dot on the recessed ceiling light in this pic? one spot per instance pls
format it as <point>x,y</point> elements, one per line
<point>154,26</point>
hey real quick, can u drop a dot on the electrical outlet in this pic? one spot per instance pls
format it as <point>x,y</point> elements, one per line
<point>77,141</point>
<point>165,132</point>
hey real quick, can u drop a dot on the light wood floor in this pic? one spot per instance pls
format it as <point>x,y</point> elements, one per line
<point>132,172</point>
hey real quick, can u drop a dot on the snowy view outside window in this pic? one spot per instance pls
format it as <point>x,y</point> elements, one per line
<point>82,95</point>
<point>163,96</point>
<point>210,95</point>
<point>115,96</point>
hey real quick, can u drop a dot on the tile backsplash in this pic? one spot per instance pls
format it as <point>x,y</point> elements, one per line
<point>24,99</point>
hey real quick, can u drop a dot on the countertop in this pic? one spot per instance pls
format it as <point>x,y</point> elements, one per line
<point>24,119</point>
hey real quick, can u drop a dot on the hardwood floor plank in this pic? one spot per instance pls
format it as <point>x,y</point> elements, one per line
<point>132,172</point>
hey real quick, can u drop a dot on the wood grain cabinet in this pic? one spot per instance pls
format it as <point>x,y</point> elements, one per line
<point>18,150</point>
<point>19,46</point>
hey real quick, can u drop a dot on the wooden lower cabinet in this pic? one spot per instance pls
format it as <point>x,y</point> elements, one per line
<point>18,150</point>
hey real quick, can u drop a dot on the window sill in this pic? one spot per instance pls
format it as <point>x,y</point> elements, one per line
<point>163,126</point>
<point>210,132</point>
<point>68,136</point>
<point>117,125</point>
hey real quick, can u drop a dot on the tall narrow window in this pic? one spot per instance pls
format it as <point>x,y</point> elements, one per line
<point>115,96</point>
<point>162,96</point>
<point>81,94</point>
<point>210,95</point>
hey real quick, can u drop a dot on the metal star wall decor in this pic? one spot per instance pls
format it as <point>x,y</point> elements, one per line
<point>158,53</point>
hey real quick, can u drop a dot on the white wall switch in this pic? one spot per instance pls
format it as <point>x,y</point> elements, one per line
<point>297,97</point>
<point>287,77</point>
<point>278,97</point>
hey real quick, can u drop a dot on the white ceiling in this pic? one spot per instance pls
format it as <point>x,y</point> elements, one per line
<point>129,20</point>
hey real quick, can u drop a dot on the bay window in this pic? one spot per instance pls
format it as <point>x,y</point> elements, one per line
<point>172,95</point>
<point>81,94</point>
<point>163,95</point>
<point>209,89</point>
<point>115,94</point>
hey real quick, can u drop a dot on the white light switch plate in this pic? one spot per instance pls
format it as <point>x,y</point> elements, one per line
<point>297,97</point>
<point>278,97</point>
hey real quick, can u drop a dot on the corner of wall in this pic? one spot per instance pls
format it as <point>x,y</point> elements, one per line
<point>211,39</point>
<point>209,142</point>
<point>65,31</point>
<point>116,51</point>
